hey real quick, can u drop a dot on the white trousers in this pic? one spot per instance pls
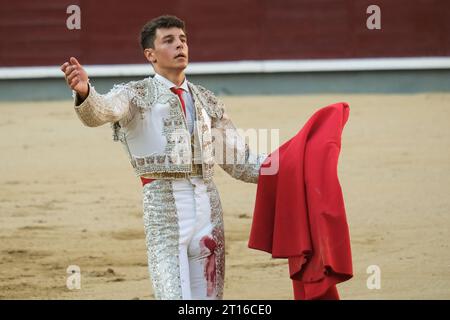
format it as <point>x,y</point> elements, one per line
<point>184,232</point>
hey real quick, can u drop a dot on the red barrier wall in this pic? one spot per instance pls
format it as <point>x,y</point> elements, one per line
<point>34,32</point>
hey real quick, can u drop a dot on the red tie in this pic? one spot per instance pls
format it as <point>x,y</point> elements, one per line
<point>179,93</point>
<point>145,181</point>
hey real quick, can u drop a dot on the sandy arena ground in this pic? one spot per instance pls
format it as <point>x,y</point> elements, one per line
<point>68,196</point>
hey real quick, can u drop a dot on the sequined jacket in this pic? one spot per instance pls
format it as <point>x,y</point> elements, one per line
<point>148,119</point>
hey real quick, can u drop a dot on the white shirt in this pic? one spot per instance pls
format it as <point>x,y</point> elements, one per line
<point>187,97</point>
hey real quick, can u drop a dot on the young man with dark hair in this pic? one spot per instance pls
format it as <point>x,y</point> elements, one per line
<point>174,132</point>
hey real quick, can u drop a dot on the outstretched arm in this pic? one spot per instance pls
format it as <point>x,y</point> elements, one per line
<point>92,108</point>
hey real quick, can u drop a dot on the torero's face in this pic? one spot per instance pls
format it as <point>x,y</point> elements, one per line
<point>170,52</point>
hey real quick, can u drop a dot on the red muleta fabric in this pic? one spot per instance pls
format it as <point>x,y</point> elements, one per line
<point>299,211</point>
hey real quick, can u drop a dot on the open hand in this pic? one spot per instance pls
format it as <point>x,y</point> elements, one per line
<point>76,77</point>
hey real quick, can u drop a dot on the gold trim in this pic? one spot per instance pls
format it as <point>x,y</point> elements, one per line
<point>196,172</point>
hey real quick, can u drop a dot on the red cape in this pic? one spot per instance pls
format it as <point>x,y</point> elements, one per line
<point>299,211</point>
